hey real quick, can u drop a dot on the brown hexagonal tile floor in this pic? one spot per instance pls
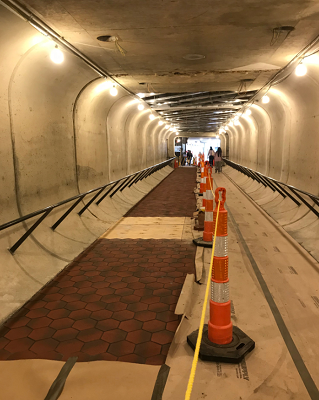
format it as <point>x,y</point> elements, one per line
<point>116,301</point>
<point>173,197</point>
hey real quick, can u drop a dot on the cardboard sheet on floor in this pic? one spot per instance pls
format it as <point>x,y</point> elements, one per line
<point>31,380</point>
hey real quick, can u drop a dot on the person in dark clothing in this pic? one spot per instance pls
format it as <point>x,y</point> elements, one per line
<point>218,160</point>
<point>189,157</point>
<point>211,155</point>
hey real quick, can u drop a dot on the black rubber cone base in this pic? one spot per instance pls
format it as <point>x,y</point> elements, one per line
<point>233,352</point>
<point>200,242</point>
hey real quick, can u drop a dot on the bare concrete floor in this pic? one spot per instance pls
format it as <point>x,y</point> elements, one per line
<point>272,370</point>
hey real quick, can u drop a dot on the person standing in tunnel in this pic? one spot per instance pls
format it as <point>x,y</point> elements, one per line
<point>189,157</point>
<point>218,160</point>
<point>211,155</point>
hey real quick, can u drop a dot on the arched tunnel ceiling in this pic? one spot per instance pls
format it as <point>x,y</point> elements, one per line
<point>241,47</point>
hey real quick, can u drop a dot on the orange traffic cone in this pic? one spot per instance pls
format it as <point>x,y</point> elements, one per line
<point>207,239</point>
<point>207,173</point>
<point>221,341</point>
<point>204,185</point>
<point>220,328</point>
<point>202,181</point>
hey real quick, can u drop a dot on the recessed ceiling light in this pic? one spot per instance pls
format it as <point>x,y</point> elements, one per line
<point>193,57</point>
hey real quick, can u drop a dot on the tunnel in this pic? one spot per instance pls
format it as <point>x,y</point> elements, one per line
<point>159,191</point>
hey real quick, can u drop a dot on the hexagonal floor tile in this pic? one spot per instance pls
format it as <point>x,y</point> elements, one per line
<point>115,302</point>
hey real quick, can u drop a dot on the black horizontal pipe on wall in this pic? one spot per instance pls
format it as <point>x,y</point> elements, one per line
<point>44,212</point>
<point>285,190</point>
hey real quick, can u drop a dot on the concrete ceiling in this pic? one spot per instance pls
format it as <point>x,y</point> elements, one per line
<point>157,34</point>
<point>237,39</point>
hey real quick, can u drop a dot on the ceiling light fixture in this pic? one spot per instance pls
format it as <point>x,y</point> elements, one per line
<point>301,69</point>
<point>56,55</point>
<point>248,112</point>
<point>152,117</point>
<point>113,91</point>
<point>160,122</point>
<point>140,107</point>
<point>236,122</point>
<point>265,99</point>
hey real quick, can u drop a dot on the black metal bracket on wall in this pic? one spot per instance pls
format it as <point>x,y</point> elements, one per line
<point>122,183</point>
<point>283,189</point>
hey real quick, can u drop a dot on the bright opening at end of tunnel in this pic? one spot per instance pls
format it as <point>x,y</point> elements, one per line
<point>196,145</point>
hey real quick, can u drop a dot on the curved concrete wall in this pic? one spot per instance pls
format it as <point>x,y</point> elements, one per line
<point>62,133</point>
<point>60,125</point>
<point>280,139</point>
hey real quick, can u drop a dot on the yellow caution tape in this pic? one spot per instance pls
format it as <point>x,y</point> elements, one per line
<point>202,320</point>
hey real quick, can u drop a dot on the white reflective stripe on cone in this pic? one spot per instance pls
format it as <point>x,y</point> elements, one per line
<point>221,246</point>
<point>201,180</point>
<point>204,195</point>
<point>220,292</point>
<point>209,216</point>
<point>209,195</point>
